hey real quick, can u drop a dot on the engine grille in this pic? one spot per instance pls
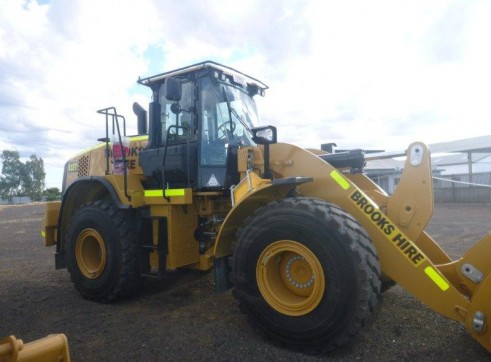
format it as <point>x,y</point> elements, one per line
<point>83,166</point>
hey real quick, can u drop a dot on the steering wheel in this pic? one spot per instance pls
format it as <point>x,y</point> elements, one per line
<point>225,130</point>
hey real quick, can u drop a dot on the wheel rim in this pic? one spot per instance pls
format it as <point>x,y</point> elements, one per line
<point>290,278</point>
<point>90,253</point>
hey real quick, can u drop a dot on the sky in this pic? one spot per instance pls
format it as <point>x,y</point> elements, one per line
<point>363,74</point>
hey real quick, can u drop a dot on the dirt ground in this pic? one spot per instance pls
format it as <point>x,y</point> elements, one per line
<point>182,319</point>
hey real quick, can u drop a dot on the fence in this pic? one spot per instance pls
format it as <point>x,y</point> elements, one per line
<point>463,188</point>
<point>447,188</point>
<point>17,200</point>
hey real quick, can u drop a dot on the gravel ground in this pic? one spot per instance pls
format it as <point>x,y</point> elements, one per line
<point>182,319</point>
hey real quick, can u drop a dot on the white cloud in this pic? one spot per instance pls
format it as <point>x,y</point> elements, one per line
<point>362,74</point>
<point>62,62</point>
<point>376,76</point>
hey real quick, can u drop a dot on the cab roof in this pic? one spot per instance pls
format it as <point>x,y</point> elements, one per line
<point>203,65</point>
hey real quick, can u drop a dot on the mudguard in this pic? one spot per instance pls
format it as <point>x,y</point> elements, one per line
<point>78,193</point>
<point>249,195</point>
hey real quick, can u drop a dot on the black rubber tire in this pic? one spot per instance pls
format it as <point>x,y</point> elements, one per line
<point>120,276</point>
<point>348,258</point>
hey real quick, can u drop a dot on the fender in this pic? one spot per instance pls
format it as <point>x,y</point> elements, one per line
<point>83,190</point>
<point>251,194</point>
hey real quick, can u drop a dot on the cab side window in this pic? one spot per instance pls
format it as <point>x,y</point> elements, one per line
<point>178,126</point>
<point>213,137</point>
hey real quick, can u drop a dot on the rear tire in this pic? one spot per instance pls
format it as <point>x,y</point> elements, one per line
<point>101,252</point>
<point>305,273</point>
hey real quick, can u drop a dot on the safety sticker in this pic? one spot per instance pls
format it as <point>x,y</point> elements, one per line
<point>73,167</point>
<point>213,182</point>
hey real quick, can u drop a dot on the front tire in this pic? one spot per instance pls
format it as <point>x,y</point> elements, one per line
<point>101,252</point>
<point>305,273</point>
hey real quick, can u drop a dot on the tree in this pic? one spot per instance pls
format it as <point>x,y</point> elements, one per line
<point>52,194</point>
<point>19,179</point>
<point>33,180</point>
<point>12,169</point>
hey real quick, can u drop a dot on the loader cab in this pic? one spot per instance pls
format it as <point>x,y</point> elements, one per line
<point>199,117</point>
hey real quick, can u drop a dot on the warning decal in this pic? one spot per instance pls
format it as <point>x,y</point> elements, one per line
<point>213,182</point>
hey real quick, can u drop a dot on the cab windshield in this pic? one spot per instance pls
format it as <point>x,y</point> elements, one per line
<point>229,113</point>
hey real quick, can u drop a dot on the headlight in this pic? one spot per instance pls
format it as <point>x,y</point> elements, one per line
<point>264,135</point>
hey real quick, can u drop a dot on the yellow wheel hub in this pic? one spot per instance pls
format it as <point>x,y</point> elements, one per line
<point>290,278</point>
<point>90,252</point>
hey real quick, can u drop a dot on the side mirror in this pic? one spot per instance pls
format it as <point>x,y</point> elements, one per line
<point>264,135</point>
<point>173,89</point>
<point>175,108</point>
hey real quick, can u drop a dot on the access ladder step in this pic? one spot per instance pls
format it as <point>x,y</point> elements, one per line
<point>147,249</point>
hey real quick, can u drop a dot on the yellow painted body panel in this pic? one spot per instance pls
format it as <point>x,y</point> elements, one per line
<point>49,232</point>
<point>93,161</point>
<point>53,348</point>
<point>182,221</point>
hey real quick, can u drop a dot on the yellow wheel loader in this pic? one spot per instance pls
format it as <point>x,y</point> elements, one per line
<point>306,240</point>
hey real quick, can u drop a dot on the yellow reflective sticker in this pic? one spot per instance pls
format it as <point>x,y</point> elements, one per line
<point>139,138</point>
<point>154,193</point>
<point>341,181</point>
<point>43,234</point>
<point>168,193</point>
<point>174,192</point>
<point>437,278</point>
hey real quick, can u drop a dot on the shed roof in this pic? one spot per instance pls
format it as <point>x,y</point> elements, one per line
<point>480,144</point>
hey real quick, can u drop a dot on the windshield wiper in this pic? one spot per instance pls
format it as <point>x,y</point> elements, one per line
<point>231,110</point>
<point>239,117</point>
